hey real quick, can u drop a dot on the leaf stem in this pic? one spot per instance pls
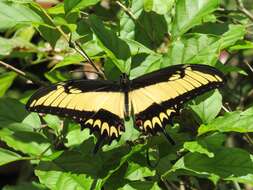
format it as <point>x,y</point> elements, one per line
<point>242,9</point>
<point>26,75</point>
<point>131,15</point>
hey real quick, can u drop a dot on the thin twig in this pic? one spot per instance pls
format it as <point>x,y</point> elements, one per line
<point>247,63</point>
<point>127,11</point>
<point>244,10</point>
<point>26,75</point>
<point>249,138</point>
<point>74,45</point>
<point>135,20</point>
<point>225,109</point>
<point>81,51</point>
<point>236,185</point>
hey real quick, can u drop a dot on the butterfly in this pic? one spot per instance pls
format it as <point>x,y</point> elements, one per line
<point>152,99</point>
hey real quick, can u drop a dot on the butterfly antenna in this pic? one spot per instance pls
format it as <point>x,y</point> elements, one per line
<point>168,137</point>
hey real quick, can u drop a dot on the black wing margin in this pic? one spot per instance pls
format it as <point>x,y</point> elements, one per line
<point>95,104</point>
<point>156,97</point>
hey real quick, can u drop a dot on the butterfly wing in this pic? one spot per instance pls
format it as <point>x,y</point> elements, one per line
<point>98,105</point>
<point>157,96</point>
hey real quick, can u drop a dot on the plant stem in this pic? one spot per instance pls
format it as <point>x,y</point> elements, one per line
<point>26,75</point>
<point>244,10</point>
<point>131,15</point>
<point>75,45</point>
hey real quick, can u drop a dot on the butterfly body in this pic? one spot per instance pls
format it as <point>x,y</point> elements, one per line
<point>152,99</point>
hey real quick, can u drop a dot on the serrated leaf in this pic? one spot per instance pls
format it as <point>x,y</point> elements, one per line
<point>75,5</point>
<point>202,48</point>
<point>7,156</point>
<point>116,49</point>
<point>28,142</point>
<point>190,13</point>
<point>12,14</point>
<point>52,176</point>
<point>237,121</point>
<point>227,162</point>
<point>141,185</point>
<point>6,80</point>
<point>28,186</point>
<point>207,106</point>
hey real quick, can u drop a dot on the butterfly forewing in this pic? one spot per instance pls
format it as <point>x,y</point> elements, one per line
<point>157,96</point>
<point>98,105</point>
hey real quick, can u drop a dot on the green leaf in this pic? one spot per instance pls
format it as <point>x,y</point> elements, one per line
<point>247,179</point>
<point>6,80</point>
<point>11,111</point>
<point>152,30</point>
<point>115,48</point>
<point>191,13</point>
<point>127,25</point>
<point>227,162</point>
<point>28,186</point>
<point>33,120</point>
<point>207,106</point>
<point>12,14</point>
<point>91,48</point>
<point>5,47</point>
<point>77,136</point>
<point>195,146</point>
<point>237,121</point>
<point>50,34</point>
<point>52,176</point>
<point>7,156</point>
<point>202,48</point>
<point>241,45</point>
<point>137,172</point>
<point>75,5</point>
<point>158,6</point>
<point>205,145</point>
<point>137,48</point>
<point>151,63</point>
<point>141,185</point>
<point>53,122</point>
<point>25,141</point>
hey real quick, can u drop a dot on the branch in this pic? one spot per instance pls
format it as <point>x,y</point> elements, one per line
<point>244,10</point>
<point>80,50</point>
<point>75,45</point>
<point>26,75</point>
<point>131,15</point>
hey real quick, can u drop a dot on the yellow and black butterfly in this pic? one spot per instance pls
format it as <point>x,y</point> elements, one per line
<point>152,99</point>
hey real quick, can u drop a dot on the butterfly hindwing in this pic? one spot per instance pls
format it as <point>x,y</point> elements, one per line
<point>156,97</point>
<point>98,105</point>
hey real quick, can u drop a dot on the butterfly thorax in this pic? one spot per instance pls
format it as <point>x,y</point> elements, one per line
<point>125,87</point>
<point>125,82</point>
